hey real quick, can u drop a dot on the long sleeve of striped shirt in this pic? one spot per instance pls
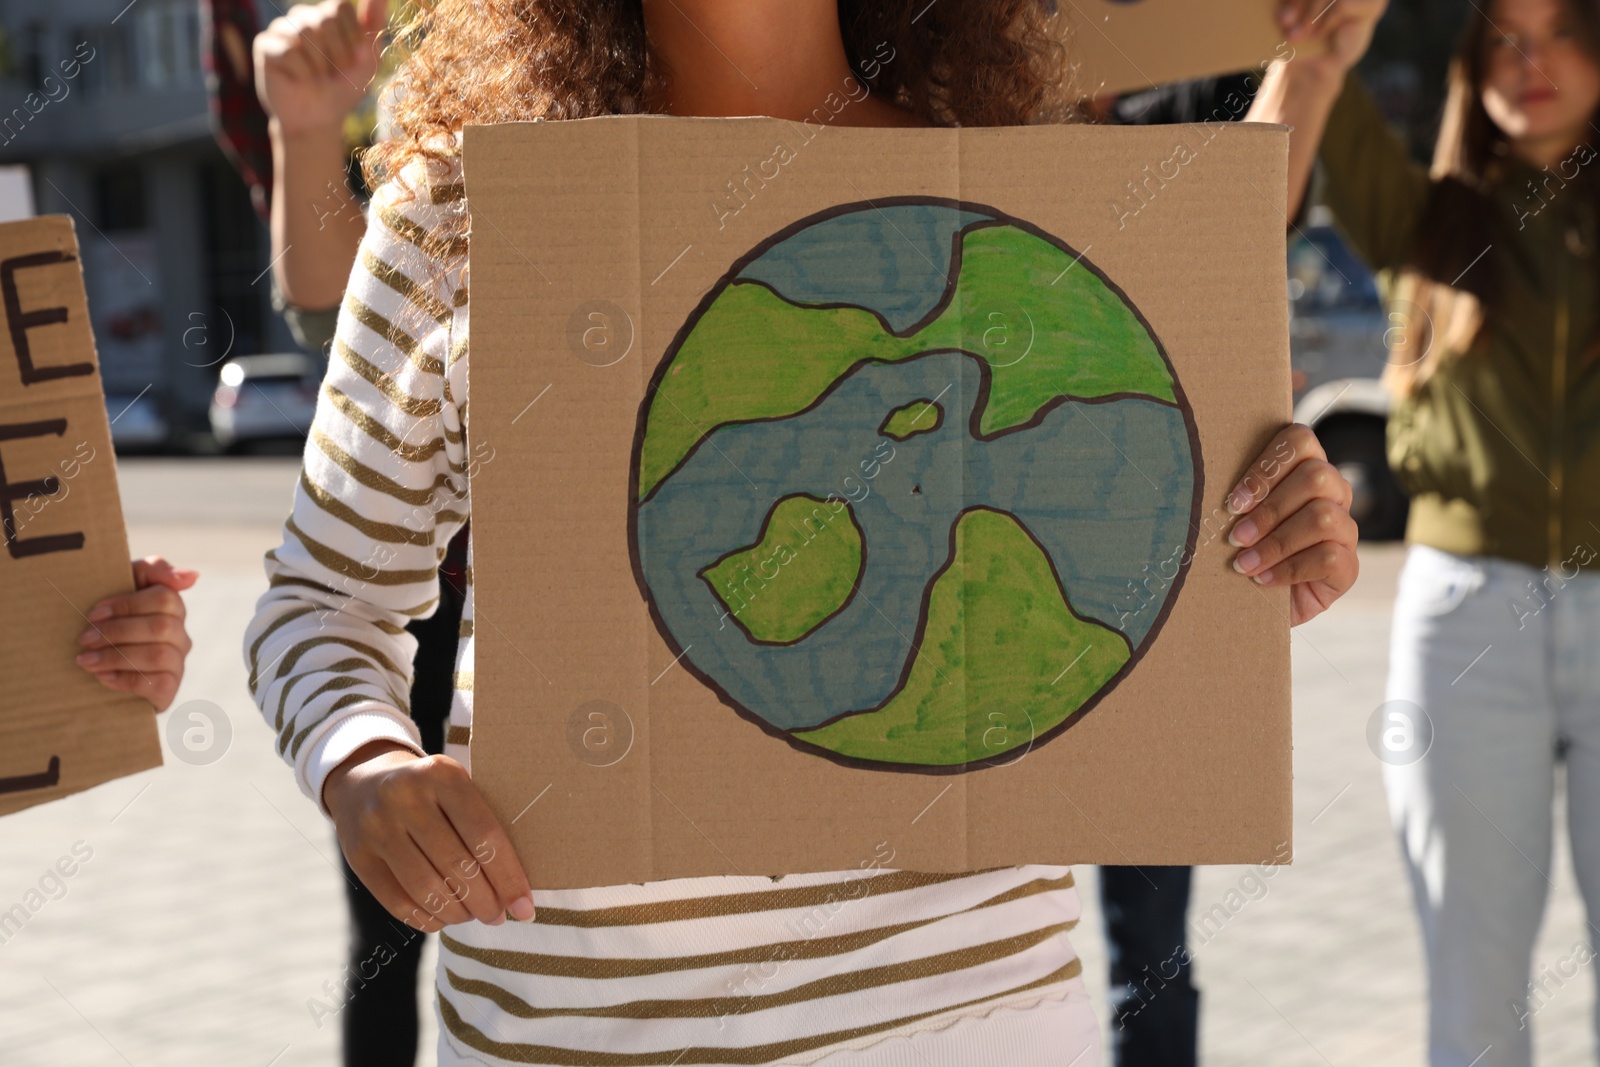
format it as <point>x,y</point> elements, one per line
<point>891,966</point>
<point>383,489</point>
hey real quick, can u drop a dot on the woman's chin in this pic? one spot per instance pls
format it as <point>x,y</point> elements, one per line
<point>1538,128</point>
<point>1553,119</point>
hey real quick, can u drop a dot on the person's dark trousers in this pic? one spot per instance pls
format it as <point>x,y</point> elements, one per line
<point>380,1017</point>
<point>1155,1009</point>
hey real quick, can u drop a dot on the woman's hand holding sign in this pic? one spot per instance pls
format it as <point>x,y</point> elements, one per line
<point>1294,526</point>
<point>419,834</point>
<point>137,643</point>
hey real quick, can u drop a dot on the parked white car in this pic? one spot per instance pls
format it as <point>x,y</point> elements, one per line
<point>264,398</point>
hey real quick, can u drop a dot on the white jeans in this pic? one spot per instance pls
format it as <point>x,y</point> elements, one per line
<point>1511,685</point>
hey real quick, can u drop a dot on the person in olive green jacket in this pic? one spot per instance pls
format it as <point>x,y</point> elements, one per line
<point>1495,365</point>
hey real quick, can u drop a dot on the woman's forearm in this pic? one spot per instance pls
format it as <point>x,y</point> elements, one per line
<point>1301,97</point>
<point>316,222</point>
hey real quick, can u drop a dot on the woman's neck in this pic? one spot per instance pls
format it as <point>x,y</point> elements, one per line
<point>1546,151</point>
<point>780,58</point>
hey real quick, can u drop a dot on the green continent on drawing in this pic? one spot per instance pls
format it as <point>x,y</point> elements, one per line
<point>797,576</point>
<point>990,670</point>
<point>919,416</point>
<point>913,487</point>
<point>804,350</point>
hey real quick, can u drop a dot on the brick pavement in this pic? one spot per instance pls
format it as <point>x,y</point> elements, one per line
<point>210,912</point>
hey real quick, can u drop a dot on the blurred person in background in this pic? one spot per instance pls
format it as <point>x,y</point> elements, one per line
<point>293,104</point>
<point>1495,364</point>
<point>313,68</point>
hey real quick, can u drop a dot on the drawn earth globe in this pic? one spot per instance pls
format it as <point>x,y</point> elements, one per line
<point>914,486</point>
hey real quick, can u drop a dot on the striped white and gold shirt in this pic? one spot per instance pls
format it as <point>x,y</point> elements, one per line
<point>731,970</point>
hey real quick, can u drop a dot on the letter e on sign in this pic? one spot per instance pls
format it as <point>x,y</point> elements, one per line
<point>10,492</point>
<point>19,321</point>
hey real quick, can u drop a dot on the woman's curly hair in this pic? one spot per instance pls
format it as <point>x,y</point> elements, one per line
<point>474,62</point>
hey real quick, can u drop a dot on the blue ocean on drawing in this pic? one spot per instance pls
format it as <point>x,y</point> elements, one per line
<point>1117,498</point>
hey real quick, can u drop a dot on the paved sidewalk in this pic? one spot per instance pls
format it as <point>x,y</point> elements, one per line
<point>1325,966</point>
<point>210,913</point>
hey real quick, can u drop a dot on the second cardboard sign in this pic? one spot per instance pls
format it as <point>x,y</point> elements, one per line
<point>61,731</point>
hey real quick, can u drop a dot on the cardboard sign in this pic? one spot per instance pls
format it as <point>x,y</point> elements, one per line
<point>838,487</point>
<point>1117,46</point>
<point>61,731</point>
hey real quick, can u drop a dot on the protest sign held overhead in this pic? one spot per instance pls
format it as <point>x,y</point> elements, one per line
<point>1118,46</point>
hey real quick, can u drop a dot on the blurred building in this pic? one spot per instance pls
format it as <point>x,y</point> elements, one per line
<point>105,102</point>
